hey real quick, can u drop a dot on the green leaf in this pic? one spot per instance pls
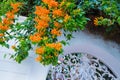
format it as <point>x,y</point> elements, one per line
<point>63,42</point>
<point>69,36</point>
<point>6,45</point>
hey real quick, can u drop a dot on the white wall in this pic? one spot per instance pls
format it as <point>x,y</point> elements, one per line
<point>27,70</point>
<point>108,52</point>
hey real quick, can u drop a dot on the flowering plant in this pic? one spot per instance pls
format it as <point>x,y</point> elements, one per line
<point>49,21</point>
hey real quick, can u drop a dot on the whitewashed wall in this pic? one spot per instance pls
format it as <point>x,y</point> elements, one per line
<point>27,70</point>
<point>108,52</point>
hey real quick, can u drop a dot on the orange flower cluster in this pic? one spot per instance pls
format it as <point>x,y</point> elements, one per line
<point>40,50</point>
<point>36,37</point>
<point>44,20</point>
<point>67,17</point>
<point>41,25</point>
<point>41,18</point>
<point>51,3</point>
<point>39,58</point>
<point>57,12</point>
<point>8,19</point>
<point>96,20</point>
<point>56,46</point>
<point>1,34</point>
<point>15,7</point>
<point>57,25</point>
<point>40,11</point>
<point>10,15</point>
<point>56,32</point>
<point>3,27</point>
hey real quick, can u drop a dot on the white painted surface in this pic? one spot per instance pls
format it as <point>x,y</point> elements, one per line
<point>27,70</point>
<point>108,52</point>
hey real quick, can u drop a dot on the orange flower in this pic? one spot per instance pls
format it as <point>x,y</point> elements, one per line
<point>15,10</point>
<point>41,11</point>
<point>4,28</point>
<point>10,15</point>
<point>1,34</point>
<point>35,38</point>
<point>53,4</point>
<point>40,50</point>
<point>6,21</point>
<point>39,58</point>
<point>56,24</point>
<point>50,45</point>
<point>16,5</point>
<point>96,21</point>
<point>56,32</point>
<point>56,46</point>
<point>41,33</point>
<point>36,19</point>
<point>45,18</point>
<point>67,17</point>
<point>41,25</point>
<point>1,24</point>
<point>57,12</point>
<point>46,1</point>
